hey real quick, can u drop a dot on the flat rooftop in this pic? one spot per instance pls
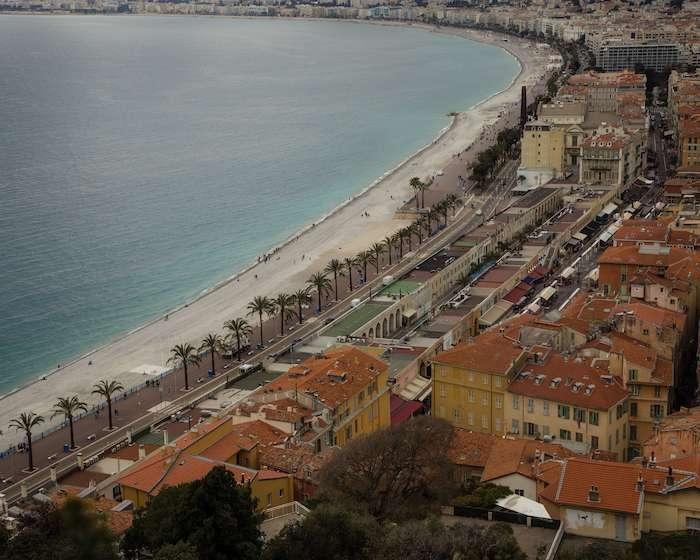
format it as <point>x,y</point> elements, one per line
<point>400,287</point>
<point>533,198</point>
<point>356,318</point>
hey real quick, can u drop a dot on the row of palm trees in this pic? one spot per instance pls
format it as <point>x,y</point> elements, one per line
<point>286,306</point>
<point>69,408</point>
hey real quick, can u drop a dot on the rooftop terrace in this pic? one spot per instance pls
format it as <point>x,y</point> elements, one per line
<point>356,318</point>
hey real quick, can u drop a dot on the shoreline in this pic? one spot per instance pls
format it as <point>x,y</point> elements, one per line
<point>459,120</point>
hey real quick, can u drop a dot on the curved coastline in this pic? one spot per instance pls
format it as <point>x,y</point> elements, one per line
<point>457,119</point>
<point>454,121</point>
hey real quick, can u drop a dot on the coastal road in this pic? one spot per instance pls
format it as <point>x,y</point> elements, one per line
<point>465,221</point>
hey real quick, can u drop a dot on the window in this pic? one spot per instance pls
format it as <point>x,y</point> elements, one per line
<point>579,415</point>
<point>484,421</point>
<point>499,402</point>
<point>281,493</point>
<point>443,390</point>
<point>498,425</point>
<point>545,408</point>
<point>656,410</point>
<point>521,492</point>
<point>443,372</point>
<point>692,523</point>
<point>485,379</point>
<point>657,392</point>
<point>645,332</point>
<point>594,442</point>
<point>269,499</point>
<point>471,376</point>
<point>592,418</point>
<point>620,411</point>
<point>497,382</point>
<point>515,426</point>
<point>633,409</point>
<point>545,430</point>
<point>516,402</point>
<point>531,405</point>
<point>634,389</point>
<point>485,399</point>
<point>529,428</point>
<point>579,437</point>
<point>633,374</point>
<point>563,411</point>
<point>455,413</point>
<point>470,418</point>
<point>472,396</point>
<point>565,435</point>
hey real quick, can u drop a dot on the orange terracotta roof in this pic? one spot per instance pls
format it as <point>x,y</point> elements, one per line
<point>293,460</point>
<point>519,456</point>
<point>198,431</point>
<point>572,381</point>
<point>225,448</point>
<point>470,448</point>
<point>117,521</point>
<point>333,378</point>
<point>642,230</point>
<point>489,353</point>
<point>652,314</point>
<point>634,255</point>
<point>616,485</point>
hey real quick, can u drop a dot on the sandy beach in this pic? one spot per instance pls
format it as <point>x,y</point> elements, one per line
<point>344,232</point>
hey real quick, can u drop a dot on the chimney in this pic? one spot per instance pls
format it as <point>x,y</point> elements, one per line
<point>142,451</point>
<point>593,494</point>
<point>669,477</point>
<point>523,106</point>
<point>640,483</point>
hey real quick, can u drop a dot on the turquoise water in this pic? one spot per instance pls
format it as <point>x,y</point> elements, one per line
<point>143,159</point>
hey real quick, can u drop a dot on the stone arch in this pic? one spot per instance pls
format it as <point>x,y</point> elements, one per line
<point>384,327</point>
<point>391,323</point>
<point>398,319</point>
<point>371,333</point>
<point>378,330</point>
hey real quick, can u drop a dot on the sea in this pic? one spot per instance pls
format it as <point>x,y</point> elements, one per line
<point>145,158</point>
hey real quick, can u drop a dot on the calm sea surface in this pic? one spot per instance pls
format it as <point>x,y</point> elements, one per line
<point>143,159</point>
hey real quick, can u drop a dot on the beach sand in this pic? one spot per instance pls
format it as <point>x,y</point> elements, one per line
<point>346,231</point>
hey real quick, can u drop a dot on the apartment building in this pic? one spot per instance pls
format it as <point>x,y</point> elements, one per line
<point>603,90</point>
<point>689,141</point>
<point>616,54</point>
<point>676,436</point>
<point>612,156</point>
<point>542,153</point>
<point>346,386</point>
<point>571,400</point>
<point>469,382</point>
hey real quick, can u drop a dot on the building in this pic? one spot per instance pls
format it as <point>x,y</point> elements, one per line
<point>612,156</point>
<point>571,400</point>
<point>469,382</point>
<point>616,54</point>
<point>347,387</point>
<point>676,436</point>
<point>542,153</point>
<point>689,141</point>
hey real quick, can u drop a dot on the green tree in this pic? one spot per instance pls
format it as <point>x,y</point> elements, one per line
<point>213,344</point>
<point>416,186</point>
<point>327,532</point>
<point>321,284</point>
<point>363,259</point>
<point>26,422</point>
<point>336,268</point>
<point>283,305</point>
<point>106,390</point>
<point>184,355</point>
<point>238,329</point>
<point>349,263</point>
<point>481,494</point>
<point>260,305</point>
<point>301,298</point>
<point>68,407</point>
<point>214,515</point>
<point>178,551</point>
<point>389,242</point>
<point>377,250</point>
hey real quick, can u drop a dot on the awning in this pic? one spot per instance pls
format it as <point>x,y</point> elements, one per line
<point>416,390</point>
<point>496,313</point>
<point>567,273</point>
<point>402,409</point>
<point>523,505</point>
<point>547,293</point>
<point>580,236</point>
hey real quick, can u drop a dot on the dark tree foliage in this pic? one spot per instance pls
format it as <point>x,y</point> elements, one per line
<point>214,515</point>
<point>65,533</point>
<point>399,472</point>
<point>327,532</point>
<point>179,551</point>
<point>481,494</point>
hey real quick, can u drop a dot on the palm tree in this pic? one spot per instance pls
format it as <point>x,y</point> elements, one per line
<point>260,305</point>
<point>416,186</point>
<point>423,188</point>
<point>336,268</point>
<point>212,343</point>
<point>363,259</point>
<point>417,228</point>
<point>69,407</point>
<point>185,355</point>
<point>106,389</point>
<point>26,422</point>
<point>377,250</point>
<point>301,298</point>
<point>398,242</point>
<point>321,284</point>
<point>283,305</point>
<point>349,263</point>
<point>408,230</point>
<point>429,215</point>
<point>238,328</point>
<point>452,201</point>
<point>442,208</point>
<point>389,242</point>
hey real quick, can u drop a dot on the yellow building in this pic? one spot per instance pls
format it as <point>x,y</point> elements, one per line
<point>569,401</point>
<point>469,382</point>
<point>543,153</point>
<point>350,385</point>
<point>170,467</point>
<point>689,141</point>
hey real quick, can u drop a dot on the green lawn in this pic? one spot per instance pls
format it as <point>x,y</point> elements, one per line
<point>353,321</point>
